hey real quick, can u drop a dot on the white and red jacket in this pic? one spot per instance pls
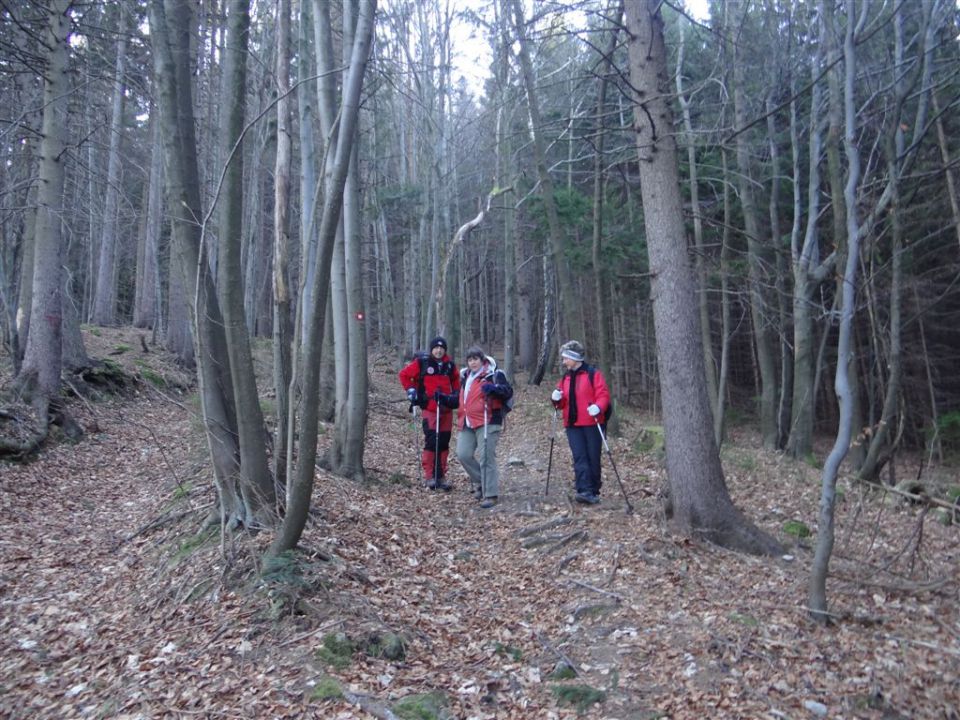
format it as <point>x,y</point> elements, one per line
<point>583,394</point>
<point>473,398</point>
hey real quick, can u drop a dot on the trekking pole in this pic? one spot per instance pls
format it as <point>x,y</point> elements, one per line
<point>416,442</point>
<point>553,437</point>
<point>614,465</point>
<point>483,458</point>
<point>436,448</point>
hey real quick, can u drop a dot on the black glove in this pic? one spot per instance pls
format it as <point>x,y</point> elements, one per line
<point>488,389</point>
<point>447,401</point>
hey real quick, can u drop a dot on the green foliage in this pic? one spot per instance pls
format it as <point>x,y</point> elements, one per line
<point>336,651</point>
<point>193,543</point>
<point>508,650</point>
<point>182,491</point>
<point>283,569</point>
<point>92,329</point>
<point>429,706</point>
<point>580,696</point>
<point>811,460</point>
<point>796,529</point>
<point>154,378</point>
<point>650,439</point>
<point>387,645</point>
<point>121,349</point>
<point>398,478</point>
<point>747,620</point>
<point>326,689</point>
<point>563,672</point>
<point>948,430</point>
<point>268,407</point>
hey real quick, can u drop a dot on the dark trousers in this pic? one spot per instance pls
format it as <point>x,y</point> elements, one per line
<point>586,446</point>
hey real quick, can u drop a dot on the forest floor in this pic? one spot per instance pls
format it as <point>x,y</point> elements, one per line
<point>115,603</point>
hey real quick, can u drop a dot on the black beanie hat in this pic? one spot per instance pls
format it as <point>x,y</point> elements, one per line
<point>438,341</point>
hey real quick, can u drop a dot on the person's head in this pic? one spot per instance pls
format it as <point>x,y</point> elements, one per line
<point>438,347</point>
<point>476,357</point>
<point>572,354</point>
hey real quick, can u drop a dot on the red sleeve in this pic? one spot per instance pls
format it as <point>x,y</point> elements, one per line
<point>601,393</point>
<point>408,376</point>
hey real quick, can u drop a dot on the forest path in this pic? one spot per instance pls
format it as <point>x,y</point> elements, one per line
<point>113,605</point>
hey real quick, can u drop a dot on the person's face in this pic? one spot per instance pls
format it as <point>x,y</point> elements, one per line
<point>569,364</point>
<point>474,363</point>
<point>438,352</point>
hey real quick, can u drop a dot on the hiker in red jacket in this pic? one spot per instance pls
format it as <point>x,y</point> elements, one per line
<point>428,379</point>
<point>583,397</point>
<point>484,394</point>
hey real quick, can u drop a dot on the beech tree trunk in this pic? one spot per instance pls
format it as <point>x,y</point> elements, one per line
<point>301,485</point>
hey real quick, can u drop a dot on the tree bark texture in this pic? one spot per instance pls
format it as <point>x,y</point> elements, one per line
<point>701,503</point>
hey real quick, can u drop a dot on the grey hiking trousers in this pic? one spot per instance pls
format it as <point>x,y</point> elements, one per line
<point>484,474</point>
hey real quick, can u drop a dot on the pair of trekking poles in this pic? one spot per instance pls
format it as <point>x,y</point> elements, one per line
<point>603,437</point>
<point>436,450</point>
<point>436,453</point>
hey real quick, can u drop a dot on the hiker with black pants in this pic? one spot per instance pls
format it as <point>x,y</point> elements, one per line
<point>426,376</point>
<point>583,397</point>
<point>484,392</point>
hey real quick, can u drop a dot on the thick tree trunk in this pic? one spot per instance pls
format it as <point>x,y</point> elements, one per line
<point>170,31</point>
<point>256,482</point>
<point>39,375</point>
<point>701,502</point>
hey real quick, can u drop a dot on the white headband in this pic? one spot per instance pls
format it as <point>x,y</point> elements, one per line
<point>570,354</point>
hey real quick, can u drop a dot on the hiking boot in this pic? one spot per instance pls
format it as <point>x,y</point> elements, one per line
<point>442,484</point>
<point>587,498</point>
<point>431,485</point>
<point>488,502</point>
<point>477,493</point>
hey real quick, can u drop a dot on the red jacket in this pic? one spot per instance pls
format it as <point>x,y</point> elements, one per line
<point>439,375</point>
<point>586,393</point>
<point>472,399</point>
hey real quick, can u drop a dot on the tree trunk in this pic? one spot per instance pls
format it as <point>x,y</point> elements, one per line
<point>706,340</point>
<point>256,483</point>
<point>571,318</point>
<point>146,306</point>
<point>282,330</point>
<point>758,258</point>
<point>817,591</point>
<point>600,279</point>
<point>701,502</point>
<point>105,295</point>
<point>301,486</point>
<point>40,373</point>
<point>171,28</point>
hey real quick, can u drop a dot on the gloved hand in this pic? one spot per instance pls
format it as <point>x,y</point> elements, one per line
<point>488,388</point>
<point>556,396</point>
<point>412,395</point>
<point>593,410</point>
<point>439,397</point>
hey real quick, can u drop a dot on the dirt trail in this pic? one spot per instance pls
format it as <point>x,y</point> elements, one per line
<point>112,605</point>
